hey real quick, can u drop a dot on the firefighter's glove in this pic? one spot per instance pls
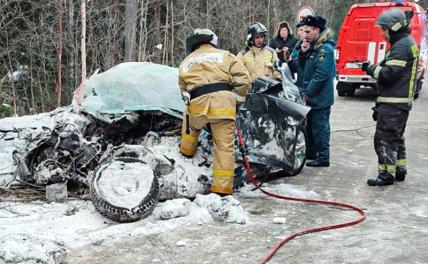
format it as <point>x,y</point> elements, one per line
<point>369,68</point>
<point>186,98</point>
<point>365,66</point>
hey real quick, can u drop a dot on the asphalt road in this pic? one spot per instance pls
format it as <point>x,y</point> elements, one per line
<point>396,229</point>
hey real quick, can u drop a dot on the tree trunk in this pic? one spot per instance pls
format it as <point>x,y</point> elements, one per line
<point>83,40</point>
<point>131,10</point>
<point>59,46</point>
<point>172,33</point>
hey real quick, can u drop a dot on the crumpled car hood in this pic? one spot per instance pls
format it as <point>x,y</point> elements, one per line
<point>130,87</point>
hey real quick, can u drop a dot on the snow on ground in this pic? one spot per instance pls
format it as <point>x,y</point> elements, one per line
<point>39,232</point>
<point>289,189</point>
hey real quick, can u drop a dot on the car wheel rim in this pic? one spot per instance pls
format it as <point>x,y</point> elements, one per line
<point>300,150</point>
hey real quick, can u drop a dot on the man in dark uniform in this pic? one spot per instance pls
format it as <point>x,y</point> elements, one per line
<point>396,77</point>
<point>316,69</point>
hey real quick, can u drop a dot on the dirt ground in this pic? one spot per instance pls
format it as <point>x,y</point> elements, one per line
<point>396,229</point>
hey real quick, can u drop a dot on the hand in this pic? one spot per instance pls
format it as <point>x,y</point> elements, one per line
<point>365,66</point>
<point>186,98</point>
<point>284,49</point>
<point>305,46</point>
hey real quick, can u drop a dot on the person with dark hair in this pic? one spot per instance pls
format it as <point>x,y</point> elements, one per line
<point>317,72</point>
<point>210,80</point>
<point>396,79</point>
<point>257,57</point>
<point>284,41</point>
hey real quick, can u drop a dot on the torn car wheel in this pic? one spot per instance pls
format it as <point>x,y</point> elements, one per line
<point>124,189</point>
<point>299,151</point>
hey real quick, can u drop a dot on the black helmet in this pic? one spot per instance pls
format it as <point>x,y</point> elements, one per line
<point>201,36</point>
<point>255,29</point>
<point>395,20</point>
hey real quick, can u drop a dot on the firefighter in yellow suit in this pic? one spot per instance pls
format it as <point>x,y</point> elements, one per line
<point>257,57</point>
<point>210,80</point>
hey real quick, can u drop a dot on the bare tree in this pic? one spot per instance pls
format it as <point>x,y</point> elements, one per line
<point>130,29</point>
<point>59,47</point>
<point>47,47</point>
<point>83,40</point>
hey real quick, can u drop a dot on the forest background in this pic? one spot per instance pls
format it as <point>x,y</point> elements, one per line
<point>41,41</point>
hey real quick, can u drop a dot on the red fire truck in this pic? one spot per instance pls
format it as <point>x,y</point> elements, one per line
<point>360,40</point>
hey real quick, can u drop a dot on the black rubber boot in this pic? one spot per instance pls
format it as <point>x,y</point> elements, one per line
<point>381,180</point>
<point>318,163</point>
<point>400,174</point>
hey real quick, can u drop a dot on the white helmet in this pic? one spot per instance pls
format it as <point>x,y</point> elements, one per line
<point>201,36</point>
<point>205,31</point>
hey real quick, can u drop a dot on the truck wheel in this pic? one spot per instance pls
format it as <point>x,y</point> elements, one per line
<point>345,89</point>
<point>341,88</point>
<point>351,90</point>
<point>299,150</point>
<point>124,189</point>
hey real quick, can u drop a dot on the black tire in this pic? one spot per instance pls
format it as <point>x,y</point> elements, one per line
<point>299,150</point>
<point>345,89</point>
<point>351,90</point>
<point>118,213</point>
<point>341,88</point>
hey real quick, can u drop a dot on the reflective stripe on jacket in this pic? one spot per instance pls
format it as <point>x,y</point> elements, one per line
<point>396,74</point>
<point>259,62</point>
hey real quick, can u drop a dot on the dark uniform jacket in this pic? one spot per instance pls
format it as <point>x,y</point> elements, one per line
<point>297,64</point>
<point>318,69</point>
<point>396,74</point>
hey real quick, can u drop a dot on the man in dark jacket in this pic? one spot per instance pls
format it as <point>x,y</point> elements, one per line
<point>396,78</point>
<point>297,64</point>
<point>317,58</point>
<point>284,41</point>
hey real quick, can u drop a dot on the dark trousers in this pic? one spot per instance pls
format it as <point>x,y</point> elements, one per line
<point>388,139</point>
<point>318,134</point>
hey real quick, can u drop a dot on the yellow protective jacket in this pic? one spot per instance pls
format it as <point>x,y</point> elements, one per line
<point>259,61</point>
<point>208,65</point>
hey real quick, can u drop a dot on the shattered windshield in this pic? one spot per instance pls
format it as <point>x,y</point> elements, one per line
<point>132,86</point>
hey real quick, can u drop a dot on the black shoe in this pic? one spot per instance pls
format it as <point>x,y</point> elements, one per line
<point>318,163</point>
<point>311,155</point>
<point>400,174</point>
<point>380,182</point>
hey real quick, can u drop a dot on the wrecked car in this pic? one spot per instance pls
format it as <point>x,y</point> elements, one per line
<point>120,139</point>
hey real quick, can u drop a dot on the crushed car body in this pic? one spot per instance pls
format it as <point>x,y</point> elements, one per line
<point>120,138</point>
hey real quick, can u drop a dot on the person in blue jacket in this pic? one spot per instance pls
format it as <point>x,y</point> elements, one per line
<point>297,63</point>
<point>317,83</point>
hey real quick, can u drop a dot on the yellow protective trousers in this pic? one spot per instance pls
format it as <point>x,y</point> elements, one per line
<point>223,137</point>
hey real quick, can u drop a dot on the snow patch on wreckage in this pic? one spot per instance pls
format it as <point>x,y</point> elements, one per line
<point>120,138</point>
